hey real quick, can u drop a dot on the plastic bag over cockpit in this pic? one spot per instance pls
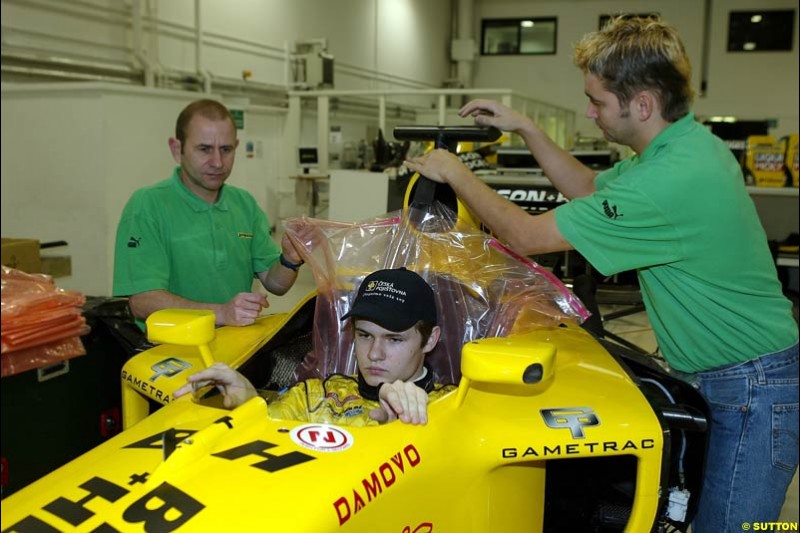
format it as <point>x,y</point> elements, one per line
<point>482,289</point>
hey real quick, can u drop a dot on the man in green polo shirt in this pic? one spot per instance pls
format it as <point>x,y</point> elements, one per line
<point>676,211</point>
<point>193,242</point>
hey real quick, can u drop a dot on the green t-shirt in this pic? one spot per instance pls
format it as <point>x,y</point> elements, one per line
<point>679,213</point>
<point>169,239</point>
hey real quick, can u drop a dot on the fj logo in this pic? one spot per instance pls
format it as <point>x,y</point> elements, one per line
<point>572,418</point>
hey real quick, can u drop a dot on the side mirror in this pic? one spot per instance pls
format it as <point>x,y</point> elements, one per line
<point>515,361</point>
<point>184,327</point>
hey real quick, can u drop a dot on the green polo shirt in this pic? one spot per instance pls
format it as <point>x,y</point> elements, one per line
<point>680,215</point>
<point>169,239</point>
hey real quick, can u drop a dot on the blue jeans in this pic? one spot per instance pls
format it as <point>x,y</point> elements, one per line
<point>753,441</point>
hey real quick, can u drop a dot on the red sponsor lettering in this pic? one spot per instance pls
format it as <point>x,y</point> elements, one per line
<point>373,484</point>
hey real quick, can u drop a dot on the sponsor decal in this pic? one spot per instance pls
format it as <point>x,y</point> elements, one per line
<point>156,441</point>
<point>272,463</point>
<point>533,199</point>
<point>373,485</point>
<point>147,388</point>
<point>386,289</point>
<point>572,418</point>
<point>340,402</point>
<point>322,437</point>
<point>340,406</point>
<point>165,508</point>
<point>168,368</point>
<point>592,448</point>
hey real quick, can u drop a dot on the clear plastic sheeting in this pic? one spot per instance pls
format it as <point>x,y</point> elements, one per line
<point>482,288</point>
<point>40,322</point>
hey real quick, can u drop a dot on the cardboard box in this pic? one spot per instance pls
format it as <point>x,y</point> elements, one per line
<point>764,161</point>
<point>22,254</point>
<point>58,266</point>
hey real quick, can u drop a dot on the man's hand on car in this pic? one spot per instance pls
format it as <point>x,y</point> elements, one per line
<point>235,388</point>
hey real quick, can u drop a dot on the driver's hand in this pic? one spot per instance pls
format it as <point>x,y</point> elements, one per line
<point>403,400</point>
<point>235,388</point>
<point>242,310</point>
<point>491,113</point>
<point>438,165</point>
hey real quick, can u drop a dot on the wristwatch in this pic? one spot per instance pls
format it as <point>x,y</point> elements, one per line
<point>291,266</point>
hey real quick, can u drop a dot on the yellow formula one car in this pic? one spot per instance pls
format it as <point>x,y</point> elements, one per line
<point>548,430</point>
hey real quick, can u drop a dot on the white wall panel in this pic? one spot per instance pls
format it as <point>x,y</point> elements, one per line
<point>750,86</point>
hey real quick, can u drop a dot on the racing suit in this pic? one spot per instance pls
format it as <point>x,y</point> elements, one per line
<point>341,400</point>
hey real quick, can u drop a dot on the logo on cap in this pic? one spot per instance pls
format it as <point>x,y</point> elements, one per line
<point>395,299</point>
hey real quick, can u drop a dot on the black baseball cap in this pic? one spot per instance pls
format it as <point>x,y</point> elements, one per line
<point>395,299</point>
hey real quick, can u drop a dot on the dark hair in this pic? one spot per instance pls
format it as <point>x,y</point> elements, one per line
<point>636,54</point>
<point>425,329</point>
<point>210,109</point>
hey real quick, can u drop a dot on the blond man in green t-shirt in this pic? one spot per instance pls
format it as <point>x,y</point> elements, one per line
<point>678,213</point>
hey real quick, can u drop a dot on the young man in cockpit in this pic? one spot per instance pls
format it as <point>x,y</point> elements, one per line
<point>394,322</point>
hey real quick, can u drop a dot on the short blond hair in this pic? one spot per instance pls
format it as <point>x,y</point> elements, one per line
<point>639,53</point>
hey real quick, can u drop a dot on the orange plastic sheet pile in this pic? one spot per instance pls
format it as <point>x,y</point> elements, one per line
<point>39,323</point>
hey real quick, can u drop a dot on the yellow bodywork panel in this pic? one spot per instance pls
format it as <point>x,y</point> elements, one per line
<point>478,465</point>
<point>156,373</point>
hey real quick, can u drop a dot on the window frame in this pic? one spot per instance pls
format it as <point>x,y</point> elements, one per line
<point>517,23</point>
<point>733,41</point>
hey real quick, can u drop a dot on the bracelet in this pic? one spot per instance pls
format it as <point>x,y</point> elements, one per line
<point>291,266</point>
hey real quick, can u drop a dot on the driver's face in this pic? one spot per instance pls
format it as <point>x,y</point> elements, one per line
<point>385,356</point>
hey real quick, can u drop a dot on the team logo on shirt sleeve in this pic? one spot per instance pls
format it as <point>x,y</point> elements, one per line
<point>611,211</point>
